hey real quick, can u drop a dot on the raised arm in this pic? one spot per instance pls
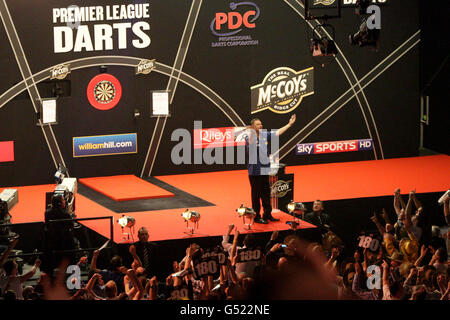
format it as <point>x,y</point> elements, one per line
<point>225,242</point>
<point>378,224</point>
<point>415,200</point>
<point>334,254</point>
<point>30,273</point>
<point>92,281</point>
<point>386,290</point>
<point>137,262</point>
<point>136,284</point>
<point>94,261</point>
<point>446,208</point>
<point>235,240</point>
<point>423,252</point>
<point>408,211</point>
<point>152,285</point>
<point>385,216</point>
<point>398,202</point>
<point>284,129</point>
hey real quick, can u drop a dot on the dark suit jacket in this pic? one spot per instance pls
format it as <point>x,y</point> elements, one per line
<point>152,265</point>
<point>314,219</point>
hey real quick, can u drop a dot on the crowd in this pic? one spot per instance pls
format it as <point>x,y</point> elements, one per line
<point>409,262</point>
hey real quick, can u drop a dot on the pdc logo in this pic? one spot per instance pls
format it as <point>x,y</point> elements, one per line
<point>282,90</point>
<point>230,23</point>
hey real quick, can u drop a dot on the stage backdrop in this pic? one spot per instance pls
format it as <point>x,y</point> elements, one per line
<point>223,62</point>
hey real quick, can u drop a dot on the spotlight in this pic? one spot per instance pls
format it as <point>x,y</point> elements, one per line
<point>103,69</point>
<point>127,222</point>
<point>323,47</point>
<point>365,36</point>
<point>295,208</point>
<point>246,213</point>
<point>193,217</point>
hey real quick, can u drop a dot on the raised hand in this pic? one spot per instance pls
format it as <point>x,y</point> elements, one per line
<point>292,120</point>
<point>274,235</point>
<point>423,250</point>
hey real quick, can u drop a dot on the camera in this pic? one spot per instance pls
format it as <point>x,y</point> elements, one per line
<point>292,224</point>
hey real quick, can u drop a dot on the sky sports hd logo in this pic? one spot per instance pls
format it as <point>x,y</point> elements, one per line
<point>333,147</point>
<point>115,144</point>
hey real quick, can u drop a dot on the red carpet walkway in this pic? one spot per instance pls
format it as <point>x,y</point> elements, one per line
<point>325,182</point>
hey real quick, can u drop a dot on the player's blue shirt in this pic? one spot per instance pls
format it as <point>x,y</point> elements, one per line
<point>258,154</point>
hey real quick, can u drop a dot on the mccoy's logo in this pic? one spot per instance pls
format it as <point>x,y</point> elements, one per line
<point>324,2</point>
<point>60,71</point>
<point>145,66</point>
<point>282,90</point>
<point>280,188</point>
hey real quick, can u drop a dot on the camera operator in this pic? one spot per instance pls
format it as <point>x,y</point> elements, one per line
<point>5,219</point>
<point>59,235</point>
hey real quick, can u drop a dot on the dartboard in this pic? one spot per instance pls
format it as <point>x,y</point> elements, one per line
<point>104,91</point>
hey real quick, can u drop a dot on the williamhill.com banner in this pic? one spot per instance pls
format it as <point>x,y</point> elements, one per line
<point>104,145</point>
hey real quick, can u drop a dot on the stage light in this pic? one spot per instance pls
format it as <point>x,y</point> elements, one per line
<point>365,36</point>
<point>193,217</point>
<point>126,221</point>
<point>322,41</point>
<point>246,213</point>
<point>322,47</point>
<point>296,207</point>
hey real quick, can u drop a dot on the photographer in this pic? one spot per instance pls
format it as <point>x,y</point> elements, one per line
<point>59,234</point>
<point>318,218</point>
<point>5,220</point>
